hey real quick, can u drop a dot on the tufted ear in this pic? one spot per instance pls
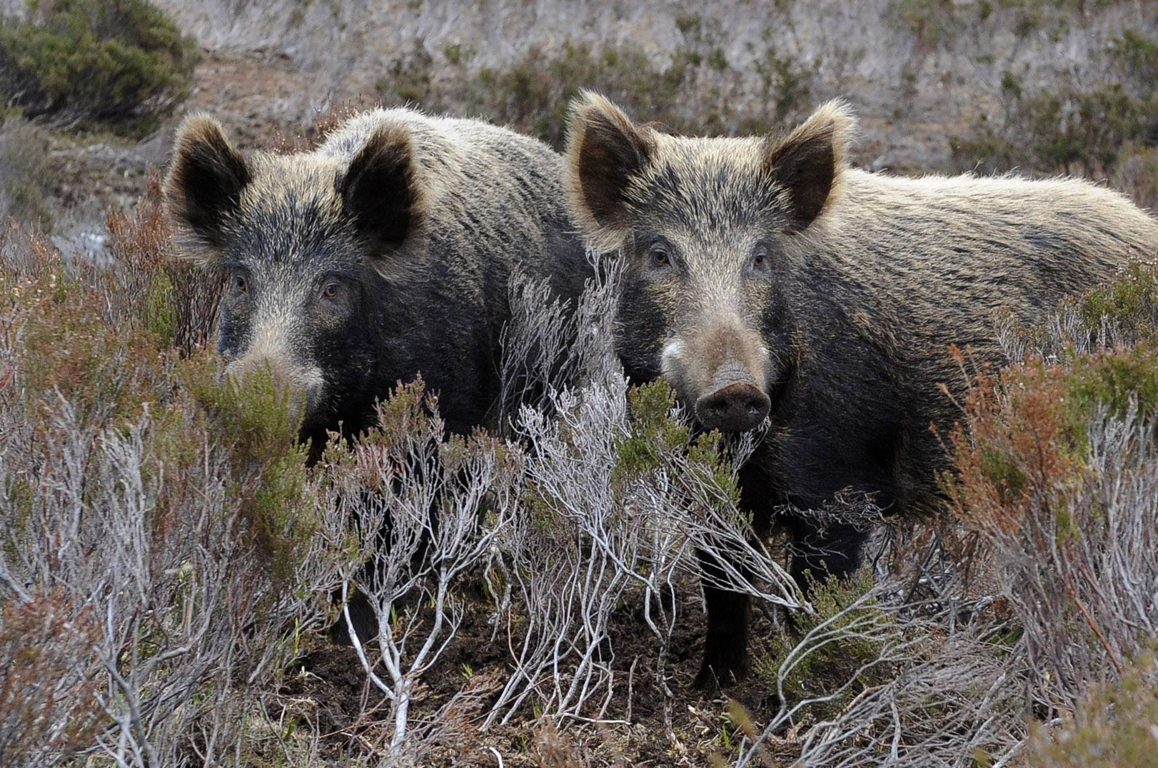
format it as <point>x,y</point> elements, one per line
<point>381,190</point>
<point>205,180</point>
<point>605,150</point>
<point>808,163</point>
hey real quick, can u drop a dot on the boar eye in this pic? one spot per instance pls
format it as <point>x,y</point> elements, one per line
<point>330,291</point>
<point>759,259</point>
<point>239,284</point>
<point>659,256</point>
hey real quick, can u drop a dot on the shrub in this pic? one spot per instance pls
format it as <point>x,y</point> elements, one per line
<point>843,657</point>
<point>119,63</point>
<point>48,705</point>
<point>1032,606</point>
<point>171,297</point>
<point>534,93</point>
<point>26,173</point>
<point>162,551</point>
<point>1115,726</point>
<point>1056,473</point>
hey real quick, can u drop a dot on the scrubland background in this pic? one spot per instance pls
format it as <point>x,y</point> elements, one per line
<point>167,563</point>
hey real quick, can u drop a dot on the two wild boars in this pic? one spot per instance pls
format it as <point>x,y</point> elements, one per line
<point>384,253</point>
<point>767,278</point>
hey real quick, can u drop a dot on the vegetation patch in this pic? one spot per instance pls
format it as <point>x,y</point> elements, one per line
<point>827,659</point>
<point>1113,727</point>
<point>27,174</point>
<point>533,94</point>
<point>121,64</point>
<point>1072,128</point>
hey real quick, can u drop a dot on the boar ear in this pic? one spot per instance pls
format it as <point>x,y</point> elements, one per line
<point>205,180</point>
<point>380,190</point>
<point>809,162</point>
<point>604,151</point>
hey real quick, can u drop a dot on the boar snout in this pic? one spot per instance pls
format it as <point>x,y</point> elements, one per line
<point>734,403</point>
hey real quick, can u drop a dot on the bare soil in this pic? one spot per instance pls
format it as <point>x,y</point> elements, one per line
<point>640,727</point>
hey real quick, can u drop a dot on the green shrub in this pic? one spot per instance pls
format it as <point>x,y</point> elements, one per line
<point>118,63</point>
<point>1130,302</point>
<point>1116,727</point>
<point>1136,175</point>
<point>533,93</point>
<point>843,660</point>
<point>1027,442</point>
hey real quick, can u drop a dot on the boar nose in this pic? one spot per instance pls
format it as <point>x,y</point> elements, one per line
<point>733,406</point>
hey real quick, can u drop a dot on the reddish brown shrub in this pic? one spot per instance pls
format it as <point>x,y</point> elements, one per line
<point>48,707</point>
<point>170,296</point>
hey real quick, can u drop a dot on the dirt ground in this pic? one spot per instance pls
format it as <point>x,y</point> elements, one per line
<point>693,728</point>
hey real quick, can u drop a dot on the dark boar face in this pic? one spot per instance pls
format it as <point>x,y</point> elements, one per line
<point>707,226</point>
<point>303,242</point>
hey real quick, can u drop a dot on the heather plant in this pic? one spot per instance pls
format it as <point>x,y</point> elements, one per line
<point>174,298</point>
<point>619,494</point>
<point>169,559</point>
<point>1113,726</point>
<point>426,513</point>
<point>159,561</point>
<point>26,171</point>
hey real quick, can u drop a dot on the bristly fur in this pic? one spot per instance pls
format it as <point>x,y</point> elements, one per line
<point>207,173</point>
<point>383,254</point>
<point>837,293</point>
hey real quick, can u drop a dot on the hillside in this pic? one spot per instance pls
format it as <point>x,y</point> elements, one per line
<point>1043,86</point>
<point>173,568</point>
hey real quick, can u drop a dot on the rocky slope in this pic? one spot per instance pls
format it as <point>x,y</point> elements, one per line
<point>920,72</point>
<point>940,85</point>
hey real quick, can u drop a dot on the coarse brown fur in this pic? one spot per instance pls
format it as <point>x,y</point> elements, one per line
<point>415,224</point>
<point>385,254</point>
<point>766,276</point>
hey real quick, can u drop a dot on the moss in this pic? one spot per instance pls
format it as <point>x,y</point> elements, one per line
<point>122,65</point>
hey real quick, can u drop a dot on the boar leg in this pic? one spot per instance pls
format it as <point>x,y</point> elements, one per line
<point>726,645</point>
<point>822,551</point>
